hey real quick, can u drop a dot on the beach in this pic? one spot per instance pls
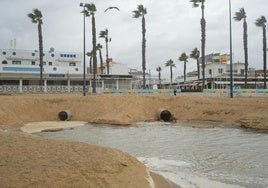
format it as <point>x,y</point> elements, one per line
<point>30,161</point>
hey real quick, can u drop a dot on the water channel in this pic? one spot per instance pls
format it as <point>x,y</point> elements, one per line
<point>192,157</point>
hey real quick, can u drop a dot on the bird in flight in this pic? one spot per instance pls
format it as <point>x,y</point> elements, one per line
<point>112,8</point>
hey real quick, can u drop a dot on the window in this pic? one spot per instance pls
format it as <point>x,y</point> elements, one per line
<point>4,53</point>
<point>4,62</point>
<point>44,63</point>
<point>220,71</point>
<point>209,71</point>
<point>16,62</point>
<point>33,62</point>
<point>50,63</point>
<point>72,64</point>
<point>33,54</point>
<point>13,53</point>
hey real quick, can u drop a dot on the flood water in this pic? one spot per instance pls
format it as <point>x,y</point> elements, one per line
<point>192,157</point>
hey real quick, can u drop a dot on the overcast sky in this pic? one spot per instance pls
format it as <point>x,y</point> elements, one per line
<point>172,27</point>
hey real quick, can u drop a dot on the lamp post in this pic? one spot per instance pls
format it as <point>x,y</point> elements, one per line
<point>84,50</point>
<point>231,51</point>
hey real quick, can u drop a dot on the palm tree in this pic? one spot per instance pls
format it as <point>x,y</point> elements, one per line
<point>90,54</point>
<point>140,12</point>
<point>195,55</point>
<point>99,47</point>
<point>105,34</point>
<point>184,58</point>
<point>36,17</point>
<point>241,15</point>
<point>170,64</point>
<point>203,36</point>
<point>159,69</point>
<point>90,11</point>
<point>261,22</point>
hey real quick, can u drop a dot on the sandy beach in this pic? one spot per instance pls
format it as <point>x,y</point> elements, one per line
<point>31,161</point>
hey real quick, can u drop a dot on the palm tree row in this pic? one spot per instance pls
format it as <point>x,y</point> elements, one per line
<point>260,22</point>
<point>90,9</point>
<point>184,58</point>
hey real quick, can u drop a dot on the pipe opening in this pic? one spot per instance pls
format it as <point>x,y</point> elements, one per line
<point>165,115</point>
<point>65,115</point>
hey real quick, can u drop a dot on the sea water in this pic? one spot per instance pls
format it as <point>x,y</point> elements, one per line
<point>191,157</point>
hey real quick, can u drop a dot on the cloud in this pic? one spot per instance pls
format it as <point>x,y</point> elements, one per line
<point>173,27</point>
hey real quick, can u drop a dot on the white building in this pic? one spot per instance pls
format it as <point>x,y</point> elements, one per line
<point>62,72</point>
<point>217,75</point>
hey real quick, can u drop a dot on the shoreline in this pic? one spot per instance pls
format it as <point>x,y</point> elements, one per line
<point>159,181</point>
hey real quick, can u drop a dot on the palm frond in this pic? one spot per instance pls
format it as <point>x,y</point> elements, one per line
<point>260,22</point>
<point>91,8</point>
<point>136,14</point>
<point>195,54</point>
<point>241,14</point>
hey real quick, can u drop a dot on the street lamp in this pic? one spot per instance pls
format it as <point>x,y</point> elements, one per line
<point>84,54</point>
<point>231,50</point>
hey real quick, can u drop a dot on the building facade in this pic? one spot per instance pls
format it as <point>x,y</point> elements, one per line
<point>62,72</point>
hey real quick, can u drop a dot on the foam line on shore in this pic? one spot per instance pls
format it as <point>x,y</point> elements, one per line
<point>34,127</point>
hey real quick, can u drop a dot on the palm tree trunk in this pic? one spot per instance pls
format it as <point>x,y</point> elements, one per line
<point>101,61</point>
<point>40,53</point>
<point>198,69</point>
<point>143,50</point>
<point>159,77</point>
<point>245,38</point>
<point>184,71</point>
<point>94,54</point>
<point>107,57</point>
<point>203,40</point>
<point>90,64</point>
<point>264,56</point>
<point>171,75</point>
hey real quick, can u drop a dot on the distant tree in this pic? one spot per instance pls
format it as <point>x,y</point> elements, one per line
<point>196,3</point>
<point>105,34</point>
<point>241,15</point>
<point>159,69</point>
<point>261,22</point>
<point>140,12</point>
<point>36,17</point>
<point>184,59</point>
<point>170,64</point>
<point>90,54</point>
<point>90,11</point>
<point>195,54</point>
<point>99,47</point>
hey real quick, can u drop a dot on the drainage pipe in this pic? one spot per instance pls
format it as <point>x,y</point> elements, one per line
<point>164,115</point>
<point>65,115</point>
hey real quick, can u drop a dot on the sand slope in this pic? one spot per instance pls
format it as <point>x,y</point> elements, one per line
<point>125,109</point>
<point>30,161</point>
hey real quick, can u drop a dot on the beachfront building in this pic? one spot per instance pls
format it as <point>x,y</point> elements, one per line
<point>62,72</point>
<point>217,76</point>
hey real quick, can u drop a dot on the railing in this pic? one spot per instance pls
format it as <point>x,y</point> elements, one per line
<point>79,89</point>
<point>42,89</point>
